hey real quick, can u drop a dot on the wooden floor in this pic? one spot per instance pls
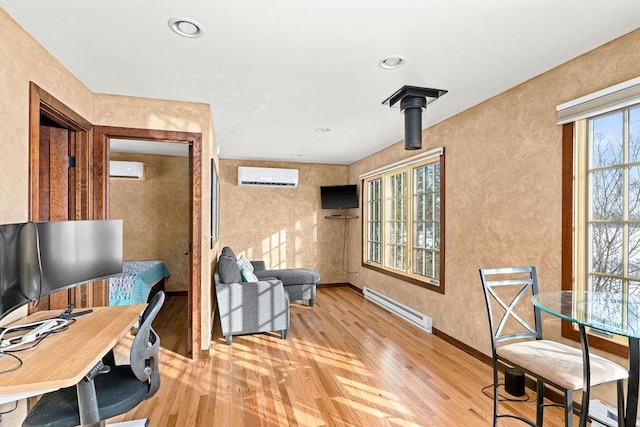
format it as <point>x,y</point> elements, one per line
<point>346,362</point>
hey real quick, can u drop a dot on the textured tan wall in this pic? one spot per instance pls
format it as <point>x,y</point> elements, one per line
<point>155,213</point>
<point>285,227</point>
<point>23,60</point>
<point>146,113</point>
<point>503,190</point>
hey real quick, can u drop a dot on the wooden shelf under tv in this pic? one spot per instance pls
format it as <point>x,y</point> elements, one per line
<point>342,216</point>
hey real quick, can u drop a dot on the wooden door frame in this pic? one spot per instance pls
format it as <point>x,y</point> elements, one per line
<point>42,103</point>
<point>101,135</point>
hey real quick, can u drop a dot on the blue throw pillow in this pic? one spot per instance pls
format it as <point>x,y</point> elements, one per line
<point>248,276</point>
<point>244,263</point>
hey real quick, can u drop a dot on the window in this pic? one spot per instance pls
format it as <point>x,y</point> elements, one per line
<point>426,220</point>
<point>612,205</point>
<point>395,204</point>
<point>374,221</point>
<point>601,217</point>
<point>403,220</point>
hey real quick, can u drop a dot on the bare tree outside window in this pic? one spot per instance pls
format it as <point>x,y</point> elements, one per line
<point>374,220</point>
<point>614,198</point>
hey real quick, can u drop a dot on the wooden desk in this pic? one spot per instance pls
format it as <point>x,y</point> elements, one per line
<point>64,358</point>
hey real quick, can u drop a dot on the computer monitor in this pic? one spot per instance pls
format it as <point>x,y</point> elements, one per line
<point>40,258</point>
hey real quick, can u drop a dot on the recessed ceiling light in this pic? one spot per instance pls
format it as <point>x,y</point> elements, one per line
<point>186,27</point>
<point>392,62</point>
<point>322,130</point>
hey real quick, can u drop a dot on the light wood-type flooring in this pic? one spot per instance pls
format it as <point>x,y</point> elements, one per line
<point>346,362</point>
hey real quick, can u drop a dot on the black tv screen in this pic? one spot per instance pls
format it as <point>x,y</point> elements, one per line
<point>339,196</point>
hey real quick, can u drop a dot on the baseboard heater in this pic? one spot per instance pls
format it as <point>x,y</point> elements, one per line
<point>603,415</point>
<point>418,319</point>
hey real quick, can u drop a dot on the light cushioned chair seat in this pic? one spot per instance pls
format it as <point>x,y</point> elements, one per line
<point>560,363</point>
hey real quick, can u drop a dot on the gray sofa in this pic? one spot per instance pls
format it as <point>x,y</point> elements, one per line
<point>248,307</point>
<point>300,283</point>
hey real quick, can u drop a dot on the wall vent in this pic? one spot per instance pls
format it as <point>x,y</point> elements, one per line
<point>420,320</point>
<point>131,170</point>
<point>267,177</point>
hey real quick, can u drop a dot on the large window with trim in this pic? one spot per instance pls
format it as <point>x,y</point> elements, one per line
<point>611,206</point>
<point>601,202</point>
<point>403,218</point>
<point>607,205</point>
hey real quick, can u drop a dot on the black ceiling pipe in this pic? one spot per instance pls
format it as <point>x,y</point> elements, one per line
<point>413,100</point>
<point>412,107</point>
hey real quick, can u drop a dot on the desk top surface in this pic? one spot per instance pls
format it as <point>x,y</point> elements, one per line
<point>64,358</point>
<point>606,311</point>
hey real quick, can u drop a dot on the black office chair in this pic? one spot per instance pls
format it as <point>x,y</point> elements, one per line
<point>118,388</point>
<point>549,362</point>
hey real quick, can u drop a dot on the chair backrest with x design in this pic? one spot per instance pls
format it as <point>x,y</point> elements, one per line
<point>504,288</point>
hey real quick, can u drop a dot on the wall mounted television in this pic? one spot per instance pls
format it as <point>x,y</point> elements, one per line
<point>339,197</point>
<point>40,258</point>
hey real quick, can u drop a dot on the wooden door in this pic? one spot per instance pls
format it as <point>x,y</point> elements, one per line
<point>54,173</point>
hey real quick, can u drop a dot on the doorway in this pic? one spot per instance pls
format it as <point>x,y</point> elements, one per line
<point>102,139</point>
<point>149,190</point>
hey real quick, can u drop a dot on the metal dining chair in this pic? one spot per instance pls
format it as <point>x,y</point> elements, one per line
<point>518,343</point>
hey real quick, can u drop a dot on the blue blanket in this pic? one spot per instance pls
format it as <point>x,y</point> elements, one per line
<point>135,282</point>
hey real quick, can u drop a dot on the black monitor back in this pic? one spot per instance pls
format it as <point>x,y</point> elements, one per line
<point>11,295</point>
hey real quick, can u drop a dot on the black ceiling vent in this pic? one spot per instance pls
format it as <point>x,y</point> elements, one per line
<point>413,100</point>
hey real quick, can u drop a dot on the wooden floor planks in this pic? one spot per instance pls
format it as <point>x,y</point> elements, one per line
<point>346,362</point>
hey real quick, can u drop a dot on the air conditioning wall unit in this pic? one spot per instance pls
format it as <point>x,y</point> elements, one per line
<point>267,177</point>
<point>131,170</point>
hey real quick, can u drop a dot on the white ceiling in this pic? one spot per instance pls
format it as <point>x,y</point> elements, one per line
<point>149,147</point>
<point>274,71</point>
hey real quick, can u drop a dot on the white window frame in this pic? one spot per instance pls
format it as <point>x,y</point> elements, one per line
<point>402,270</point>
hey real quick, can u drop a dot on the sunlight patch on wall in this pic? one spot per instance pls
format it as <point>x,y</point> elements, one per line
<point>314,221</point>
<point>299,243</point>
<point>306,241</point>
<point>274,250</point>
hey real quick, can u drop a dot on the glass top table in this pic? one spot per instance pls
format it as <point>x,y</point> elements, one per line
<point>609,312</point>
<point>614,313</point>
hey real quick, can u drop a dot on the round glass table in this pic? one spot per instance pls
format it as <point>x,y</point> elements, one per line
<point>609,312</point>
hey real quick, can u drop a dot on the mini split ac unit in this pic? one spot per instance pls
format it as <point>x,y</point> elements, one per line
<point>267,177</point>
<point>133,170</point>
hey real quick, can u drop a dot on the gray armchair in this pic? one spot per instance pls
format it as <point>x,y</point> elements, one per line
<point>249,307</point>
